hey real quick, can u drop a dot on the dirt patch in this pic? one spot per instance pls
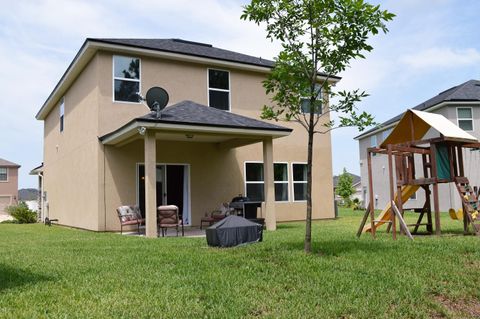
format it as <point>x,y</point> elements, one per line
<point>460,308</point>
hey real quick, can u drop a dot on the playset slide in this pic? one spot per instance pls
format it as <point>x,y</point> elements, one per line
<point>385,215</point>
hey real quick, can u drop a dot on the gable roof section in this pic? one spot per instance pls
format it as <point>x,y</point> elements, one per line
<point>192,115</point>
<point>173,49</point>
<point>189,48</point>
<point>5,163</point>
<point>189,112</point>
<point>465,92</point>
<point>422,122</point>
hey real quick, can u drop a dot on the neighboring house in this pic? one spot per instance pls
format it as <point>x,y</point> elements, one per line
<point>356,183</point>
<point>459,104</point>
<point>103,148</point>
<point>8,184</point>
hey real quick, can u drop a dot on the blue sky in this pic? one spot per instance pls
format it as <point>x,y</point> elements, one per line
<point>432,45</point>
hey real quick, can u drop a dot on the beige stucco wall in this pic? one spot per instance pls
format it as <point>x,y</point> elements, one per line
<point>81,168</point>
<point>71,165</point>
<point>9,188</point>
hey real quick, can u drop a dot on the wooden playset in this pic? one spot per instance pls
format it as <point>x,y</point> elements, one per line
<point>439,144</point>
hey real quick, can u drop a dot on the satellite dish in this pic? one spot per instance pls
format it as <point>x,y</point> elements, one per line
<point>157,99</point>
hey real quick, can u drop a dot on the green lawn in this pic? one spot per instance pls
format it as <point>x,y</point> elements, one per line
<point>58,272</point>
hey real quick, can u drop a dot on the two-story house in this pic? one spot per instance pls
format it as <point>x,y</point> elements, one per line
<point>8,184</point>
<point>461,105</point>
<point>103,148</point>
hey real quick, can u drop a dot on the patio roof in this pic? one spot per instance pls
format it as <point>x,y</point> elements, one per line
<point>37,170</point>
<point>190,121</point>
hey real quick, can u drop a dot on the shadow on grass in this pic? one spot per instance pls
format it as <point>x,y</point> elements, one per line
<point>287,226</point>
<point>13,277</point>
<point>339,247</point>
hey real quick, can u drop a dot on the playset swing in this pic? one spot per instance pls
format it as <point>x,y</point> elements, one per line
<point>442,162</point>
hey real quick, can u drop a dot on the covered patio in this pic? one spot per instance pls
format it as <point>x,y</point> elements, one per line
<point>189,122</point>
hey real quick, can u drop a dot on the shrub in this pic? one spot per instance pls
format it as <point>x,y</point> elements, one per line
<point>356,204</point>
<point>22,213</point>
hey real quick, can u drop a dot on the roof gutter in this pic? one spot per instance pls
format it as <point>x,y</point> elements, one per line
<point>91,46</point>
<point>132,127</point>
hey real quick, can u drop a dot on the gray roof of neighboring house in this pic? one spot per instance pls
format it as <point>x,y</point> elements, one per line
<point>465,92</point>
<point>356,179</point>
<point>192,48</point>
<point>188,112</point>
<point>5,163</point>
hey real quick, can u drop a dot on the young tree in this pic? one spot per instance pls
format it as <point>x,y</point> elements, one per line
<point>345,186</point>
<point>319,38</point>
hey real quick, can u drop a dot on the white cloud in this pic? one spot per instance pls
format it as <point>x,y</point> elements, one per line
<point>39,38</point>
<point>439,57</point>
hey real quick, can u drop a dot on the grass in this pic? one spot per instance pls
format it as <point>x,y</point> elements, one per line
<point>52,272</point>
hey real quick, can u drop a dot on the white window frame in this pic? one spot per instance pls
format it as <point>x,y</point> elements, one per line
<point>465,119</point>
<point>252,182</point>
<point>297,182</point>
<point>139,80</point>
<point>263,182</point>
<point>282,182</point>
<point>6,170</point>
<point>220,90</point>
<point>62,115</point>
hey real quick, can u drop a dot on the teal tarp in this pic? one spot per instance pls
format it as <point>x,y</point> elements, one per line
<point>443,163</point>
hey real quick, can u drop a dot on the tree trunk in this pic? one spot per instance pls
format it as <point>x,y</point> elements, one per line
<point>308,220</point>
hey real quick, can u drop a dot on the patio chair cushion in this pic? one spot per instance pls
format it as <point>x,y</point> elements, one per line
<point>129,214</point>
<point>168,216</point>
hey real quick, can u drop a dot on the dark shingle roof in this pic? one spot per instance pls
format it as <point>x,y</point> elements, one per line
<point>465,92</point>
<point>188,112</point>
<point>5,163</point>
<point>191,113</point>
<point>192,48</point>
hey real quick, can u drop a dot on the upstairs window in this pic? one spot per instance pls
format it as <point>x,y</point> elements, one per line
<point>219,89</point>
<point>385,134</point>
<point>3,174</point>
<point>465,118</point>
<point>62,114</point>
<point>373,141</point>
<point>299,182</point>
<point>305,103</point>
<point>126,79</point>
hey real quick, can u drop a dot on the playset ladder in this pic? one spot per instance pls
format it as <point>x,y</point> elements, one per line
<point>470,204</point>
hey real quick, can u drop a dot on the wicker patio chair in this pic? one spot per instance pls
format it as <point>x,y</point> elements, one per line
<point>130,215</point>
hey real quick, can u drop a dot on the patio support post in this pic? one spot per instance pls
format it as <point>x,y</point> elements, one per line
<point>269,185</point>
<point>150,184</point>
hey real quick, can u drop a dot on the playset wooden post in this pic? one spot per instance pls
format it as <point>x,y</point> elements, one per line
<point>442,161</point>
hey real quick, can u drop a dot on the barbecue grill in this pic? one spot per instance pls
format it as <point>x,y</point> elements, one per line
<point>245,207</point>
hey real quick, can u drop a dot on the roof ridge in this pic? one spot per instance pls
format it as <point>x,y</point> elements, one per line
<point>458,87</point>
<point>444,96</point>
<point>4,162</point>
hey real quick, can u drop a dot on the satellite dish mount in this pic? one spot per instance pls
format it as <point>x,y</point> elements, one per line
<point>157,99</point>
